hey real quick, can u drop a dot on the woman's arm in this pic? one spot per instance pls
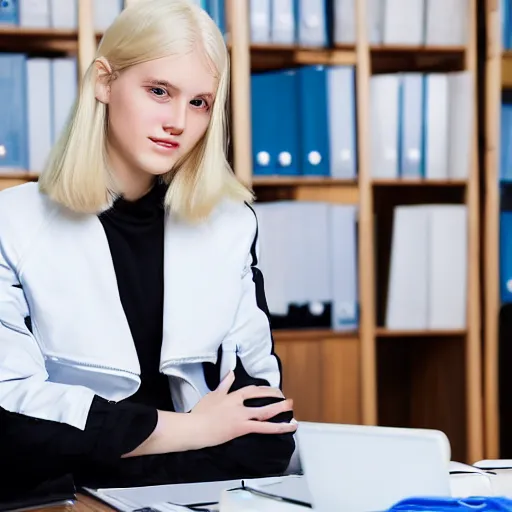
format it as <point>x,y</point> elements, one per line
<point>218,418</point>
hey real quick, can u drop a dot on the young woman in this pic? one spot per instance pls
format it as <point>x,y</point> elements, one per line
<point>135,347</point>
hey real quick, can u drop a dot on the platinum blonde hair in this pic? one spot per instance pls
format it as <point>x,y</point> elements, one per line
<point>77,175</point>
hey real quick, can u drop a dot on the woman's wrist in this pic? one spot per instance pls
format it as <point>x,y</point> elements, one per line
<point>174,432</point>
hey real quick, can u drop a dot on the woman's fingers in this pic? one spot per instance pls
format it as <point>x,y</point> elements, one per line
<point>265,427</point>
<point>226,382</point>
<point>269,411</point>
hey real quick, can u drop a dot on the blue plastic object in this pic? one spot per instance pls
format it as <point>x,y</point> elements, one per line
<point>471,504</point>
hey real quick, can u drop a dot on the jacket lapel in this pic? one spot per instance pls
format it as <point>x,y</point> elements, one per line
<point>77,293</point>
<point>200,293</point>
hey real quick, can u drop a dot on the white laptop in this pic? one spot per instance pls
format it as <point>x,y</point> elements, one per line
<point>358,468</point>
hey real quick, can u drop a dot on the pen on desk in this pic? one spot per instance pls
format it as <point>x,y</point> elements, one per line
<point>276,497</point>
<point>198,507</point>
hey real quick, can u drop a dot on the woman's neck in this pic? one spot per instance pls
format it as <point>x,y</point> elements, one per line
<point>131,183</point>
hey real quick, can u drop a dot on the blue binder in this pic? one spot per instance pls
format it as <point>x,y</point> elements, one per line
<point>506,25</point>
<point>283,100</point>
<point>264,119</point>
<point>411,126</point>
<point>13,113</point>
<point>505,171</point>
<point>274,121</point>
<point>314,22</point>
<point>9,12</point>
<point>216,10</point>
<point>314,121</point>
<point>506,257</point>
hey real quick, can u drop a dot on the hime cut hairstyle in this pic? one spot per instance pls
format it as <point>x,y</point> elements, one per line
<point>77,175</point>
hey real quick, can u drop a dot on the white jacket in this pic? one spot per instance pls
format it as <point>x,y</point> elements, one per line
<point>56,267</point>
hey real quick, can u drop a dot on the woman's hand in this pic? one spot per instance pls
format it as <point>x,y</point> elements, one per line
<point>217,418</point>
<point>221,416</point>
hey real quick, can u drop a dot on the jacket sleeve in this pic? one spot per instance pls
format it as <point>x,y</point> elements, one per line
<point>250,343</point>
<point>24,384</point>
<point>250,339</point>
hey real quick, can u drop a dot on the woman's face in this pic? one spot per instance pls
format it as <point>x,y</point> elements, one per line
<point>157,111</point>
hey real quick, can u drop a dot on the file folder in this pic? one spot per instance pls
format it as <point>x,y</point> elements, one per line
<point>314,125</point>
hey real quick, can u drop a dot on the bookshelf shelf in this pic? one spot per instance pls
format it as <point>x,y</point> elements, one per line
<point>313,335</point>
<point>423,50</point>
<point>268,56</point>
<point>38,40</point>
<point>417,183</point>
<point>280,56</point>
<point>506,70</point>
<point>18,175</point>
<point>387,59</point>
<point>273,181</point>
<point>383,332</point>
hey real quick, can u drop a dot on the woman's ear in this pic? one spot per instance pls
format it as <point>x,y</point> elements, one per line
<point>103,78</point>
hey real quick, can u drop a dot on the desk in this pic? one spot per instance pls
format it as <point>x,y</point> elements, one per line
<point>82,504</point>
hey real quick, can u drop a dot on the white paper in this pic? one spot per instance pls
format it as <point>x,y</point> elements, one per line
<point>164,497</point>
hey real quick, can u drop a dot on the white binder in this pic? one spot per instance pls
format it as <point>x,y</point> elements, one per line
<point>446,22</point>
<point>343,266</point>
<point>448,267</point>
<point>283,22</point>
<point>312,23</point>
<point>342,121</point>
<point>105,12</point>
<point>403,22</point>
<point>39,112</point>
<point>344,22</point>
<point>260,21</point>
<point>64,92</point>
<point>64,14</point>
<point>461,124</point>
<point>437,126</point>
<point>375,19</point>
<point>408,274</point>
<point>384,99</point>
<point>34,13</point>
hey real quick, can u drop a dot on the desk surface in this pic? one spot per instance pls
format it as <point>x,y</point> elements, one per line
<point>83,504</point>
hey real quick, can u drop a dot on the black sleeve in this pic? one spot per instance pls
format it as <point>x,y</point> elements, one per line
<point>253,455</point>
<point>38,448</point>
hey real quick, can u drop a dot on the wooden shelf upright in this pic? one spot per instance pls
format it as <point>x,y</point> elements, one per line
<point>498,75</point>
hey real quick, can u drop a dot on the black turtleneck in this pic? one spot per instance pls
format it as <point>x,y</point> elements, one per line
<point>135,233</point>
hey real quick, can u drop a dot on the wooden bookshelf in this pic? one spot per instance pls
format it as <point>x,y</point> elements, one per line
<point>372,349</point>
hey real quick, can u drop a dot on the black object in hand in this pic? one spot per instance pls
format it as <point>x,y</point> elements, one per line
<point>283,417</point>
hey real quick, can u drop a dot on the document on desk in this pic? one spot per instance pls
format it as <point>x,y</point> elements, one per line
<point>180,497</point>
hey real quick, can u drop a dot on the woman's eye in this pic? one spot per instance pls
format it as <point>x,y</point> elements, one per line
<point>200,103</point>
<point>158,91</point>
